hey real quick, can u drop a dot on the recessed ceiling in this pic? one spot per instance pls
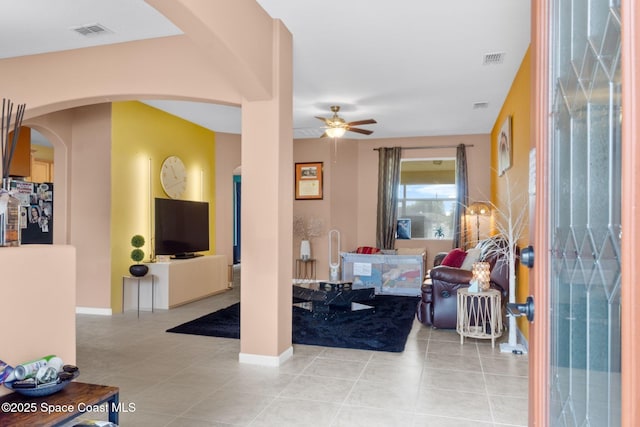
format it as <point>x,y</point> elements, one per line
<point>419,68</point>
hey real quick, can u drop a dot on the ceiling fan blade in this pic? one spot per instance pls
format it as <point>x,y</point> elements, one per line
<point>362,122</point>
<point>324,135</point>
<point>325,120</point>
<point>362,131</point>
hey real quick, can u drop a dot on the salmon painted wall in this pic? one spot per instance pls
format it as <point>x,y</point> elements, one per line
<point>518,106</point>
<point>328,210</point>
<point>42,278</point>
<point>90,205</point>
<point>142,137</point>
<point>351,185</point>
<point>84,135</point>
<point>267,206</point>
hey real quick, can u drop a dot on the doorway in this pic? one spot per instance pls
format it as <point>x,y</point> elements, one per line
<point>237,193</point>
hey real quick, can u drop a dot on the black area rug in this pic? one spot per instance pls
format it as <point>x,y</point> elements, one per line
<point>384,329</point>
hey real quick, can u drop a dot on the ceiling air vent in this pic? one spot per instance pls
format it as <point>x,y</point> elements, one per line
<point>480,105</point>
<point>91,30</point>
<point>493,58</point>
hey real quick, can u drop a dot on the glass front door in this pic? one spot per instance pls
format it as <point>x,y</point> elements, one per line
<point>585,213</point>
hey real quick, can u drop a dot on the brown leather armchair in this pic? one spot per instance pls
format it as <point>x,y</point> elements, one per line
<point>438,305</point>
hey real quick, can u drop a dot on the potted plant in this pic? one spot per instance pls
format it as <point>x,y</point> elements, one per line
<point>137,255</point>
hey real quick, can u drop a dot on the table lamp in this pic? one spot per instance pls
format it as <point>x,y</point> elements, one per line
<point>481,274</point>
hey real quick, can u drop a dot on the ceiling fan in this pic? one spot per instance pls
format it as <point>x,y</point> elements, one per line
<point>336,126</point>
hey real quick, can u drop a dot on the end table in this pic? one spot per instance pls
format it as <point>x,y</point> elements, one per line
<point>138,278</point>
<point>479,315</point>
<point>306,269</point>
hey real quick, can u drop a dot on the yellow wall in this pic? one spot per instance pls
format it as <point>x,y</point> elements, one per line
<point>142,137</point>
<point>518,106</point>
<point>41,152</point>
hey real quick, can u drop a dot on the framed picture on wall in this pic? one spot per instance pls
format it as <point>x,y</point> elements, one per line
<point>504,144</point>
<point>404,228</point>
<point>308,181</point>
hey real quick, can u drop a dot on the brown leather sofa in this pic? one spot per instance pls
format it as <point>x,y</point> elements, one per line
<point>438,306</point>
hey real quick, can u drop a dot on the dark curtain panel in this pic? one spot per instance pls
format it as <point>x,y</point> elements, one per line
<point>462,184</point>
<point>388,181</point>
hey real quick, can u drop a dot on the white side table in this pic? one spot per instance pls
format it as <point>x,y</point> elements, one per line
<point>306,269</point>
<point>125,278</point>
<point>479,315</point>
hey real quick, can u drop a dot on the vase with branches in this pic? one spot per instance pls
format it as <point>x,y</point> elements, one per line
<point>511,222</point>
<point>306,229</point>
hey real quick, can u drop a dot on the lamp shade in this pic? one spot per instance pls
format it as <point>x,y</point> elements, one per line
<point>482,275</point>
<point>479,208</point>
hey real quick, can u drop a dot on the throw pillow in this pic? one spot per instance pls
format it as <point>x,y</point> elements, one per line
<point>368,250</point>
<point>473,255</point>
<point>455,258</point>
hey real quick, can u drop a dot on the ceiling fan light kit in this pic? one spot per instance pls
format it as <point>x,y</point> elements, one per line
<point>335,132</point>
<point>337,127</point>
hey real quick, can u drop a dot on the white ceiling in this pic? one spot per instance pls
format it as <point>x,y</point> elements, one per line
<point>416,66</point>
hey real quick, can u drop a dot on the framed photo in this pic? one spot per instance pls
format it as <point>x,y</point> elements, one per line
<point>504,144</point>
<point>404,228</point>
<point>309,181</point>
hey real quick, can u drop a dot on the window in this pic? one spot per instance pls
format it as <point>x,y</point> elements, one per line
<point>427,196</point>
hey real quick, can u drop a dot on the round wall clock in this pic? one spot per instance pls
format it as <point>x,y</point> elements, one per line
<point>173,177</point>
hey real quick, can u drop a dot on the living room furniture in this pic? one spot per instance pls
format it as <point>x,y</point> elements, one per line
<point>388,274</point>
<point>438,307</point>
<point>329,298</point>
<point>479,315</point>
<point>181,281</point>
<point>138,279</point>
<point>58,408</point>
<point>305,269</point>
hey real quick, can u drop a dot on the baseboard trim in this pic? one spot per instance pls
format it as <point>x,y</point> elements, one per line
<point>272,361</point>
<point>94,310</point>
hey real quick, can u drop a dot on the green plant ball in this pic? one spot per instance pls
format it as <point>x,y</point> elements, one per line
<point>137,255</point>
<point>137,241</point>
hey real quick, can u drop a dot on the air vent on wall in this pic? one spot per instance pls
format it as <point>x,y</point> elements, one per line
<point>493,58</point>
<point>91,30</point>
<point>479,105</point>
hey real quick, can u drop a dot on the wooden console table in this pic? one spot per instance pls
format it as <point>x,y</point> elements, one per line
<point>182,281</point>
<point>58,408</point>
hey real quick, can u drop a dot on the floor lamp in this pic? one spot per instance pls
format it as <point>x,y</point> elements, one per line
<point>478,209</point>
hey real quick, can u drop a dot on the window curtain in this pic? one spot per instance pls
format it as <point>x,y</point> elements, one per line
<point>462,201</point>
<point>388,182</point>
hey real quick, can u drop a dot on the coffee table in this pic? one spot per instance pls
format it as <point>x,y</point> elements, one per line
<point>56,409</point>
<point>330,298</point>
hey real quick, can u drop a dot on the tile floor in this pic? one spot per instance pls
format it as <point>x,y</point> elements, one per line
<point>185,380</point>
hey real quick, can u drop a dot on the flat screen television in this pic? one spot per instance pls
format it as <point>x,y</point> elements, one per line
<point>181,228</point>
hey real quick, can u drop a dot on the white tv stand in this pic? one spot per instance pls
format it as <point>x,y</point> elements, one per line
<point>181,281</point>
